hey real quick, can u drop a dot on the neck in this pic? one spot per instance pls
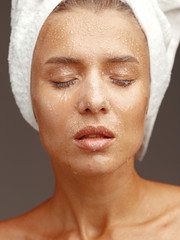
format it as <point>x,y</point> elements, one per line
<point>95,203</point>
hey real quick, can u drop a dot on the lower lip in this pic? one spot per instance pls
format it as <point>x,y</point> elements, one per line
<point>94,144</point>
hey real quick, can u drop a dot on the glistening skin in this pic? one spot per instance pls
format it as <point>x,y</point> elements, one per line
<point>102,82</point>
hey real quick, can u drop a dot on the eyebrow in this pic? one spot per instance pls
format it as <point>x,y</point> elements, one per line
<point>123,59</point>
<point>68,60</point>
<point>63,60</point>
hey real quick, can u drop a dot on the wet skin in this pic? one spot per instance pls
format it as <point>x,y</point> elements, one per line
<point>92,69</point>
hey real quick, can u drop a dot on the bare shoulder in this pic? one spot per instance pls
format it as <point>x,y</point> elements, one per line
<point>166,205</point>
<point>9,230</point>
<point>15,229</point>
<point>169,194</point>
<point>23,227</point>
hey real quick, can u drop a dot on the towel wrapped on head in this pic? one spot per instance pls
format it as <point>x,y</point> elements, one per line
<point>159,19</point>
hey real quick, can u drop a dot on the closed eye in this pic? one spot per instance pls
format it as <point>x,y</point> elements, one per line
<point>123,83</point>
<point>64,84</point>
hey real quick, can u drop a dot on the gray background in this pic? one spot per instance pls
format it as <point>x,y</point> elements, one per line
<point>26,177</point>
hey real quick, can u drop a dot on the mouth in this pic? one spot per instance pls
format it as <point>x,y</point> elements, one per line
<point>94,138</point>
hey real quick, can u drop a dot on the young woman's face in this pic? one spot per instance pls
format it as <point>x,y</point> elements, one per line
<point>90,72</point>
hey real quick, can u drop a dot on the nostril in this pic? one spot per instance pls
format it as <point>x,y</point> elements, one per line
<point>87,110</point>
<point>95,110</point>
<point>87,107</point>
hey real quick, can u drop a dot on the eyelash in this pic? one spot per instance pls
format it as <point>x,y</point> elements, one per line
<point>123,83</point>
<point>64,84</point>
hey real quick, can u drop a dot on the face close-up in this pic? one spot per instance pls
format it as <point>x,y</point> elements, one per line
<point>90,87</point>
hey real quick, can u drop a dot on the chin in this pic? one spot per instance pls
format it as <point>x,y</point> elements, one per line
<point>95,164</point>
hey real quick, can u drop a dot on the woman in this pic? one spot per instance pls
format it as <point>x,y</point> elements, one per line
<point>93,87</point>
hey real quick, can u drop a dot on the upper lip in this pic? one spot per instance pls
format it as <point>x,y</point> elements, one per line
<point>94,130</point>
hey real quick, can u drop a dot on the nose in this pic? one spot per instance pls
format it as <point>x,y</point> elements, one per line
<point>93,96</point>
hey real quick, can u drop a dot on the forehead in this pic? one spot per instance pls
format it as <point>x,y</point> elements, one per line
<point>85,32</point>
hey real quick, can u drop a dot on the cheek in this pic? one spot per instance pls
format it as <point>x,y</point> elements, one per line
<point>52,111</point>
<point>132,112</point>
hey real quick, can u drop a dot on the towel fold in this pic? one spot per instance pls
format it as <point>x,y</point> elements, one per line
<point>159,19</point>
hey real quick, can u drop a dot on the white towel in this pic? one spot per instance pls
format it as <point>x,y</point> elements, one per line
<point>160,20</point>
